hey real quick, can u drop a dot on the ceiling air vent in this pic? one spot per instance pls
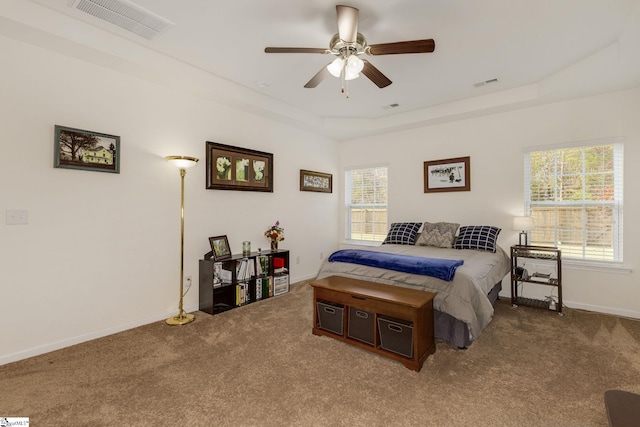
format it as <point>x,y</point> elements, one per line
<point>486,82</point>
<point>390,106</point>
<point>125,14</point>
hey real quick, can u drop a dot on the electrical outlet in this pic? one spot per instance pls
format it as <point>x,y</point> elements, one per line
<point>187,279</point>
<point>297,260</point>
<point>17,217</point>
<point>321,255</point>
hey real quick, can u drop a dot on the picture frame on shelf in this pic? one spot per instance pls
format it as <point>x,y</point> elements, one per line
<point>318,182</point>
<point>220,248</point>
<point>86,150</point>
<point>447,175</point>
<point>236,168</point>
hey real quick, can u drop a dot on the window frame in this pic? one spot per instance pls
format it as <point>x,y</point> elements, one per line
<point>617,204</point>
<point>348,206</point>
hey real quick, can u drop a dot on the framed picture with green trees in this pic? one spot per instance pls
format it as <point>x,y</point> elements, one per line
<point>86,150</point>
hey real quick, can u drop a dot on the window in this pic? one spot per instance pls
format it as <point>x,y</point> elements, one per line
<point>574,194</point>
<point>366,203</point>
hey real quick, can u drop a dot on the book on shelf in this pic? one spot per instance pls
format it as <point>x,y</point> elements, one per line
<point>265,286</point>
<point>245,269</point>
<point>258,289</point>
<point>241,269</point>
<point>262,265</point>
<point>242,293</point>
<point>280,270</point>
<point>269,285</point>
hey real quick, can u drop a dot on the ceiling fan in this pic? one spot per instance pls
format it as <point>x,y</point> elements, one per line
<point>348,44</point>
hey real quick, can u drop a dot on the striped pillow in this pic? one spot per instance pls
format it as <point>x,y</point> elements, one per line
<point>402,233</point>
<point>481,237</point>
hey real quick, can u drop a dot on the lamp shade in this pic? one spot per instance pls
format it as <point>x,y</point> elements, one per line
<point>353,67</point>
<point>523,223</point>
<point>335,68</point>
<point>182,162</point>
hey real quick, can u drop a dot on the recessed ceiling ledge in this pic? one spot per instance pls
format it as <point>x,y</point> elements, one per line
<point>472,106</point>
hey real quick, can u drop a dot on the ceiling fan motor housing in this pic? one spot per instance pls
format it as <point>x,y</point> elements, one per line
<point>339,47</point>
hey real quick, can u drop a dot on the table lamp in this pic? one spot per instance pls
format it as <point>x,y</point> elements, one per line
<point>524,224</point>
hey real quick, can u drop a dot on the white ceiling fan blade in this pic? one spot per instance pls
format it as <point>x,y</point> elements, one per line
<point>347,23</point>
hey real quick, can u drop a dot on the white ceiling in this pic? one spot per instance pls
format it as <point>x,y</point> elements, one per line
<point>538,50</point>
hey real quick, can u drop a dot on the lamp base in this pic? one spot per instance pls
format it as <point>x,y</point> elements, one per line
<point>523,236</point>
<point>181,319</point>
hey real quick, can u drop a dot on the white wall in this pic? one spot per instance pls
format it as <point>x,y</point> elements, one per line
<point>495,144</point>
<point>101,251</point>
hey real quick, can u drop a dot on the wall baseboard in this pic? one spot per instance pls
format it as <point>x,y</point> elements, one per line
<point>46,348</point>
<point>590,307</point>
<point>603,310</point>
<point>303,278</point>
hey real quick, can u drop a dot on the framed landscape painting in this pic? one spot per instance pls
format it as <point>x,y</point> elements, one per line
<point>220,247</point>
<point>235,168</point>
<point>447,175</point>
<point>86,150</point>
<point>316,181</point>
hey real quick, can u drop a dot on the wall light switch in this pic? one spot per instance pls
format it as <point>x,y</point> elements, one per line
<point>17,217</point>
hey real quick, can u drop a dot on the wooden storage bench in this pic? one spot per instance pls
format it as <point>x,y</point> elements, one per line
<point>407,311</point>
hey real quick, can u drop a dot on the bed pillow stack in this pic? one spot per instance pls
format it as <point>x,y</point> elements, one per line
<point>481,237</point>
<point>402,233</point>
<point>438,234</point>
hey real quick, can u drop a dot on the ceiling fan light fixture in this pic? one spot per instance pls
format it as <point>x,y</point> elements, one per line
<point>335,68</point>
<point>353,67</point>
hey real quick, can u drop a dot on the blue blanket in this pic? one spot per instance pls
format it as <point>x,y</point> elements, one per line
<point>443,269</point>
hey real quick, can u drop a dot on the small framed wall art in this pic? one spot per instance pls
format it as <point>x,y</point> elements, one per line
<point>316,181</point>
<point>86,150</point>
<point>235,168</point>
<point>220,247</point>
<point>447,175</point>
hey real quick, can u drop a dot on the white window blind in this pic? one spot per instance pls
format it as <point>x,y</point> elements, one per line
<point>366,203</point>
<point>575,194</point>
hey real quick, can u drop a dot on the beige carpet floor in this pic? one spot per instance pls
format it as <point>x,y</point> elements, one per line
<point>260,365</point>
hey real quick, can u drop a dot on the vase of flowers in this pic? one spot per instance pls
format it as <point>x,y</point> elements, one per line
<point>274,234</point>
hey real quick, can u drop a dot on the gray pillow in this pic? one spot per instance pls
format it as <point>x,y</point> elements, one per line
<point>438,234</point>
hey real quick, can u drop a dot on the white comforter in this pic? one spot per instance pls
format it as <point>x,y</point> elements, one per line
<point>464,298</point>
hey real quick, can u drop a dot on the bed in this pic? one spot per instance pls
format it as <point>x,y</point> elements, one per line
<point>463,307</point>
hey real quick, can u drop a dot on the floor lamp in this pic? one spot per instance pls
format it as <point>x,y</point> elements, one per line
<point>183,163</point>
